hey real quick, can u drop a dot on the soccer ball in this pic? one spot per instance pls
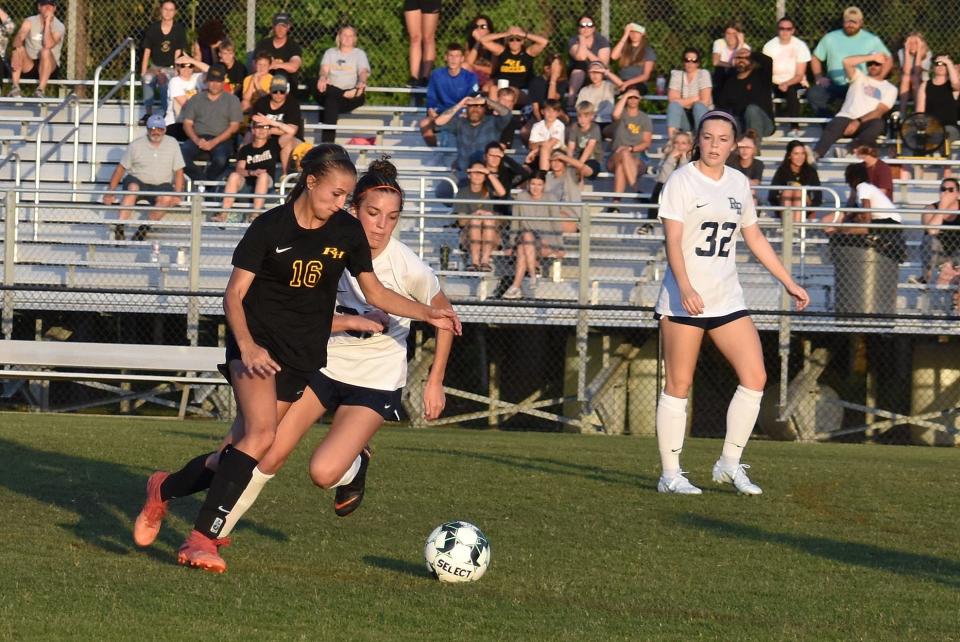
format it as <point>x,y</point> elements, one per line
<point>457,552</point>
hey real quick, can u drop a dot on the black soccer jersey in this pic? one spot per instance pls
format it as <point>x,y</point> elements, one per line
<point>289,306</point>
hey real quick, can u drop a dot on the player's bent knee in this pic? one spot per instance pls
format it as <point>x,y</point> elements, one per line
<point>324,476</point>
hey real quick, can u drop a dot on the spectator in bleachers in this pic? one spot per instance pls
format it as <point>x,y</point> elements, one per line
<point>866,103</point>
<point>36,48</point>
<point>151,163</point>
<point>510,172</point>
<point>746,91</point>
<point>887,242</point>
<point>255,171</point>
<point>285,52</point>
<point>725,49</point>
<point>342,84</point>
<point>601,92</point>
<point>7,27</point>
<point>551,84</point>
<point>878,171</point>
<point>796,169</point>
<point>676,154</point>
<point>210,121</point>
<point>257,84</point>
<point>941,244</point>
<point>227,54</point>
<point>446,88</point>
<point>744,158</point>
<point>563,184</point>
<point>478,57</point>
<point>421,18</point>
<point>515,64</point>
<point>632,135</point>
<point>163,42</point>
<point>210,36</point>
<point>535,239</point>
<point>938,96</point>
<point>828,60</point>
<point>480,232</point>
<point>790,57</point>
<point>509,97</point>
<point>915,60</point>
<point>586,47</point>
<point>472,133</point>
<point>281,111</point>
<point>180,89</point>
<point>547,135</point>
<point>585,141</point>
<point>635,57</point>
<point>689,93</point>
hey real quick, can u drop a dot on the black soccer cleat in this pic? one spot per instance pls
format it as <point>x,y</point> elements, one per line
<point>350,495</point>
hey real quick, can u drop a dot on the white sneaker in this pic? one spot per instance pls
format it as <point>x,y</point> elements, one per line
<point>678,485</point>
<point>737,477</point>
<point>513,293</point>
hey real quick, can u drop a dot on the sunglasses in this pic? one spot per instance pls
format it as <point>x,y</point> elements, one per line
<point>691,60</point>
<point>948,189</point>
<point>519,39</point>
<point>940,64</point>
<point>186,66</point>
<point>586,24</point>
<point>481,26</point>
<point>785,28</point>
<point>262,127</point>
<point>163,129</point>
<point>279,91</point>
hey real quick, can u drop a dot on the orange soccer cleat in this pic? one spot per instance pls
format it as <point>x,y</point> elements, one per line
<point>148,522</point>
<point>199,551</point>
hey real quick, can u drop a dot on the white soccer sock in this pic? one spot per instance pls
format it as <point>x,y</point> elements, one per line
<point>741,417</point>
<point>245,501</point>
<point>350,474</point>
<point>671,428</point>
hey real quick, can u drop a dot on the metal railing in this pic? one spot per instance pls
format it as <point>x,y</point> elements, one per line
<point>130,78</point>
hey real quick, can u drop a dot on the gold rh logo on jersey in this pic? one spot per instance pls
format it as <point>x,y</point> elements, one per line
<point>334,252</point>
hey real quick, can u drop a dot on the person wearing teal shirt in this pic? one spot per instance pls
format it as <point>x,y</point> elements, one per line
<point>827,60</point>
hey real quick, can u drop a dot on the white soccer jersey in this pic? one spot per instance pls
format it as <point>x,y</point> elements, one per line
<point>712,213</point>
<point>379,361</point>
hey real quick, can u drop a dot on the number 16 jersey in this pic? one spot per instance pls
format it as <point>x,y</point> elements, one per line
<point>712,212</point>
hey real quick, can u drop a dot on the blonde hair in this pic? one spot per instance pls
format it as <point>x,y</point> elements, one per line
<point>672,143</point>
<point>336,39</point>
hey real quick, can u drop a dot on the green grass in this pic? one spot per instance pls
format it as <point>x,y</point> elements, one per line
<point>848,542</point>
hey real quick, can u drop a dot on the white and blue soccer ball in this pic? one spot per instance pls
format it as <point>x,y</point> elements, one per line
<point>457,552</point>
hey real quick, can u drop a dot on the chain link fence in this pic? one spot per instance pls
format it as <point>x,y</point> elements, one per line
<point>95,28</point>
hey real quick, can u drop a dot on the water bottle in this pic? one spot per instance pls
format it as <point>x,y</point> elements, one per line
<point>181,256</point>
<point>444,257</point>
<point>155,252</point>
<point>661,85</point>
<point>556,271</point>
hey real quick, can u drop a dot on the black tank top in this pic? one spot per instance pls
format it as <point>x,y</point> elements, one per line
<point>941,104</point>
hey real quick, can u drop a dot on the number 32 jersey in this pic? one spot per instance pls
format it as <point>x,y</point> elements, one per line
<point>712,212</point>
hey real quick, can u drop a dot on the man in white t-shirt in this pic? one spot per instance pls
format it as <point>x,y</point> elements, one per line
<point>790,57</point>
<point>869,98</point>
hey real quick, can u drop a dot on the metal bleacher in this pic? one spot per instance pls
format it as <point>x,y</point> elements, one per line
<point>67,240</point>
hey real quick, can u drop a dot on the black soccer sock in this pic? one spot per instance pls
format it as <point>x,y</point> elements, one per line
<point>229,482</point>
<point>192,478</point>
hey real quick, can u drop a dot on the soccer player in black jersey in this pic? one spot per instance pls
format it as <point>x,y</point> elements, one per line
<point>279,305</point>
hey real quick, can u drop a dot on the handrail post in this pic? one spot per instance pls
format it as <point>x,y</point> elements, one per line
<point>75,178</point>
<point>94,123</point>
<point>9,258</point>
<point>785,317</point>
<point>132,93</point>
<point>193,308</point>
<point>423,211</point>
<point>583,320</point>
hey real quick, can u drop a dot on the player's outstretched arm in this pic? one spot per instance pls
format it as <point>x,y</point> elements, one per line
<point>391,302</point>
<point>758,244</point>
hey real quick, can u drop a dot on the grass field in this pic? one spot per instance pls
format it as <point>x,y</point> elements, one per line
<point>847,542</point>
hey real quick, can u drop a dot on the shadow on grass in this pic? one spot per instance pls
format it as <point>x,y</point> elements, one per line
<point>916,565</point>
<point>545,465</point>
<point>397,566</point>
<point>105,497</point>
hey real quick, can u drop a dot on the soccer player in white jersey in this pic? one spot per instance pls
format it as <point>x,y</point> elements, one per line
<point>704,207</point>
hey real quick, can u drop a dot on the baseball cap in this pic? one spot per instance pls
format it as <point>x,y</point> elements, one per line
<point>637,27</point>
<point>596,64</point>
<point>853,13</point>
<point>52,3</point>
<point>282,18</point>
<point>279,83</point>
<point>216,73</point>
<point>156,121</point>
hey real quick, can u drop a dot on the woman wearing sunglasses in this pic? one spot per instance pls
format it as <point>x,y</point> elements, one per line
<point>690,94</point>
<point>585,47</point>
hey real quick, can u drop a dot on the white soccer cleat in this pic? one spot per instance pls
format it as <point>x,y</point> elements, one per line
<point>678,485</point>
<point>737,477</point>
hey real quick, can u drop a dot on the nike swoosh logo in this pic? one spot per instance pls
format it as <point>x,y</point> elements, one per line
<point>339,505</point>
<point>675,450</point>
<point>699,205</point>
<point>387,407</point>
<point>281,251</point>
<point>222,509</point>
